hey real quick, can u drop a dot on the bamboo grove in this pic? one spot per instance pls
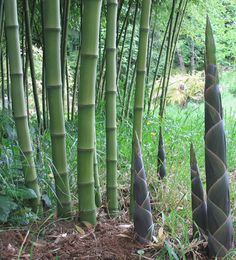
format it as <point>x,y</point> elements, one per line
<point>122,83</point>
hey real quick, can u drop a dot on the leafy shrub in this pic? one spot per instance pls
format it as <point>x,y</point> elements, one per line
<point>12,205</point>
<point>185,87</point>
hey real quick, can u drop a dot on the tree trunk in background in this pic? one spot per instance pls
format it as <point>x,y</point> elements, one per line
<point>18,100</point>
<point>1,19</point>
<point>75,86</point>
<point>124,24</point>
<point>130,93</point>
<point>44,94</point>
<point>67,92</point>
<point>77,69</point>
<point>101,79</point>
<point>1,24</point>
<point>31,61</point>
<point>124,29</point>
<point>157,65</point>
<point>54,85</point>
<point>8,80</point>
<point>65,23</point>
<point>124,98</point>
<point>193,65</point>
<point>86,109</point>
<point>2,79</point>
<point>111,89</point>
<point>180,59</point>
<point>140,87</point>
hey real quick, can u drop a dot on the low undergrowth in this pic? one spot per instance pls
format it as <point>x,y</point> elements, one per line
<point>170,198</point>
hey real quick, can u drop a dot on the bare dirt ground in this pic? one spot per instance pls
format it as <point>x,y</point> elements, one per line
<point>110,239</point>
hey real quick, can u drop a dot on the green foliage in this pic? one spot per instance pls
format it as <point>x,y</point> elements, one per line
<point>13,201</point>
<point>20,193</point>
<point>222,14</point>
<point>14,196</point>
<point>229,79</point>
<point>172,209</point>
<point>181,125</point>
<point>184,88</point>
<point>6,206</point>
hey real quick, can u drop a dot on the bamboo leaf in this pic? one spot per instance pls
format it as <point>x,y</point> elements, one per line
<point>87,224</point>
<point>80,230</point>
<point>171,251</point>
<point>161,234</point>
<point>21,193</point>
<point>6,206</point>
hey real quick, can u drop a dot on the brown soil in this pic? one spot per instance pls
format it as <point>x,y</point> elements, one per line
<point>110,239</point>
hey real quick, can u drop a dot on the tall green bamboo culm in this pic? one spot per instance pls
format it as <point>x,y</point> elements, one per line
<point>111,135</point>
<point>18,100</point>
<point>140,87</point>
<point>86,109</point>
<point>54,85</point>
<point>220,229</point>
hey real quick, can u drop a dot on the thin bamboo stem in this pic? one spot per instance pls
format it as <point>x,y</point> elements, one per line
<point>31,60</point>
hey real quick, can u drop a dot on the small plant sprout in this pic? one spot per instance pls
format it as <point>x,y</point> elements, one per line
<point>143,223</point>
<point>199,214</point>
